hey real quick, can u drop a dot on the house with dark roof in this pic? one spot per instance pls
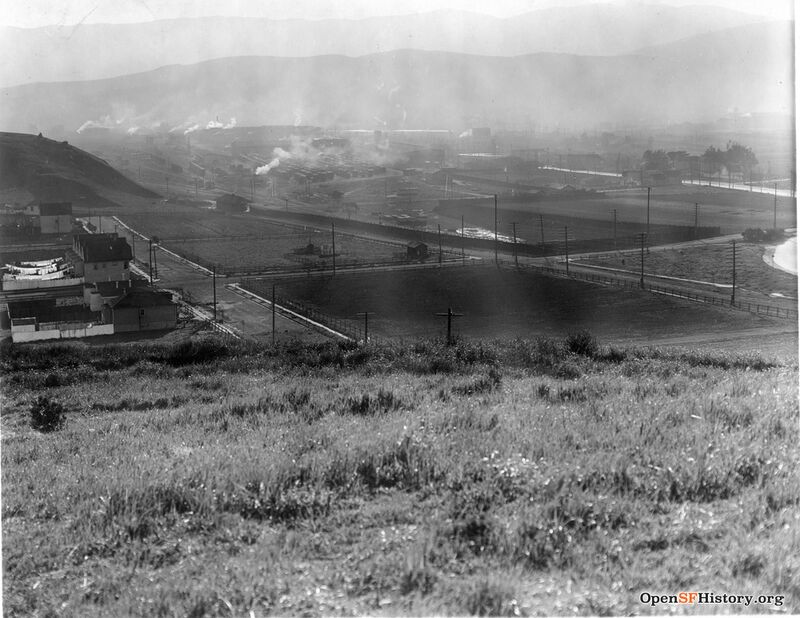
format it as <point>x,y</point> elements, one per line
<point>101,257</point>
<point>141,309</point>
<point>230,202</point>
<point>416,250</point>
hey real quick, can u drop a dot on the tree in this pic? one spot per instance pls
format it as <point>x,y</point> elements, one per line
<point>739,157</point>
<point>655,160</point>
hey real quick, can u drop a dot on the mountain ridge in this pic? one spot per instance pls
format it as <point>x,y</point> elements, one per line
<point>69,53</point>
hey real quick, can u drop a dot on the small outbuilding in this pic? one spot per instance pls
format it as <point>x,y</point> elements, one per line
<point>416,250</point>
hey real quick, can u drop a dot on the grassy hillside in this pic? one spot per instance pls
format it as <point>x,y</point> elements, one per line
<point>57,171</point>
<point>508,478</point>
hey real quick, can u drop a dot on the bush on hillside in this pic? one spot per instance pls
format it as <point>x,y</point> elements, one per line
<point>46,415</point>
<point>582,343</point>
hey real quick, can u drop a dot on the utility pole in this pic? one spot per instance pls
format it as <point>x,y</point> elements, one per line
<point>463,255</point>
<point>273,314</point>
<point>642,238</point>
<point>733,287</point>
<point>514,232</point>
<point>133,244</point>
<point>439,234</point>
<point>333,246</point>
<point>150,259</point>
<point>775,210</point>
<point>647,231</point>
<point>450,315</point>
<point>214,287</point>
<point>615,229</point>
<point>566,249</point>
<point>541,228</point>
<point>496,259</point>
<point>695,220</point>
<point>155,259</point>
<point>366,325</point>
<point>195,187</point>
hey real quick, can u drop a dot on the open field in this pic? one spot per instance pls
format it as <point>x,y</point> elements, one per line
<point>505,303</point>
<point>711,262</point>
<point>504,478</point>
<point>247,242</point>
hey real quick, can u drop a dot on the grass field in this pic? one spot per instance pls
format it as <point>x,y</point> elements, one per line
<point>512,478</point>
<point>712,263</point>
<point>246,242</point>
<point>504,304</point>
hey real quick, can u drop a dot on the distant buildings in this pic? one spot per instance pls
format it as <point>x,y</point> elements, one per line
<point>37,219</point>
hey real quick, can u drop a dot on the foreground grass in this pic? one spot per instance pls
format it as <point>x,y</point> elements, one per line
<point>504,478</point>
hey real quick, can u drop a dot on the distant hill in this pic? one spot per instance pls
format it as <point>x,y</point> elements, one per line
<point>701,78</point>
<point>93,51</point>
<point>56,170</point>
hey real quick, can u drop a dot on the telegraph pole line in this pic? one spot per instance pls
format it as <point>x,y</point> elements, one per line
<point>439,234</point>
<point>642,238</point>
<point>615,229</point>
<point>541,229</point>
<point>496,259</point>
<point>450,315</point>
<point>775,210</point>
<point>733,286</point>
<point>333,246</point>
<point>214,286</point>
<point>273,314</point>
<point>366,315</point>
<point>150,259</point>
<point>647,230</point>
<point>514,232</point>
<point>566,249</point>
<point>463,255</point>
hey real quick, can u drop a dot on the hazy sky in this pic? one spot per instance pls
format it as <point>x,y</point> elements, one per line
<point>32,13</point>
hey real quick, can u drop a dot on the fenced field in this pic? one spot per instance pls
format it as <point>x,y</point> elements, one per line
<point>502,303</point>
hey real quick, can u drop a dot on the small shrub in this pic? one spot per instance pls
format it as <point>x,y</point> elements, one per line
<point>582,343</point>
<point>46,415</point>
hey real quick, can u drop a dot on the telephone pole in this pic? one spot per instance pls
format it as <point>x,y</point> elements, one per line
<point>439,234</point>
<point>496,259</point>
<point>775,210</point>
<point>566,249</point>
<point>366,325</point>
<point>514,232</point>
<point>541,228</point>
<point>214,286</point>
<point>273,314</point>
<point>647,230</point>
<point>450,315</point>
<point>642,238</point>
<point>463,255</point>
<point>615,229</point>
<point>733,286</point>
<point>333,246</point>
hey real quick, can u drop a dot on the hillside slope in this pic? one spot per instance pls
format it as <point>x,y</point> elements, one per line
<point>57,171</point>
<point>488,478</point>
<point>749,70</point>
<point>66,53</point>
